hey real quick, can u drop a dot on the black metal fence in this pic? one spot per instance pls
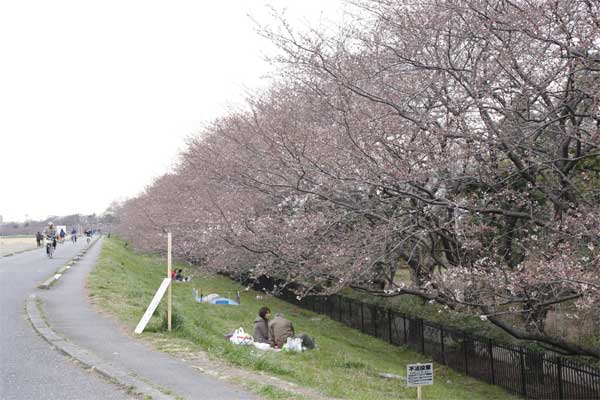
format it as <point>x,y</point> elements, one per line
<point>533,375</point>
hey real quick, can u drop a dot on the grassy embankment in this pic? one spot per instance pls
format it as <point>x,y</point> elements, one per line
<point>346,365</point>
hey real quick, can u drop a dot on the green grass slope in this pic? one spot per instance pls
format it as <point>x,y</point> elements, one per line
<point>346,364</point>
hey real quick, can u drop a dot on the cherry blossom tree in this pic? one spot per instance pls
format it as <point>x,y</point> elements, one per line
<point>458,137</point>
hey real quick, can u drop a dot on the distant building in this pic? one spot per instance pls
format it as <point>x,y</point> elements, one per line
<point>1,220</point>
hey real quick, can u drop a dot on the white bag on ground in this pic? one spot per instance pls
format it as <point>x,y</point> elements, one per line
<point>294,344</point>
<point>262,346</point>
<point>240,337</point>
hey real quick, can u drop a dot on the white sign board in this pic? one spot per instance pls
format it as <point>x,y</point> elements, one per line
<point>153,304</point>
<point>419,374</point>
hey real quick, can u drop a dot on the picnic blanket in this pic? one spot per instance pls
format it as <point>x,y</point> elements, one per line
<point>214,298</point>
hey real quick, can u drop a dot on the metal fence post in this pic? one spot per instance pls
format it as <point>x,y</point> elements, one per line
<point>389,312</point>
<point>561,394</point>
<point>523,384</point>
<point>341,313</point>
<point>404,325</point>
<point>350,312</point>
<point>465,353</point>
<point>442,345</point>
<point>374,316</point>
<point>362,317</point>
<point>422,336</point>
<point>491,352</point>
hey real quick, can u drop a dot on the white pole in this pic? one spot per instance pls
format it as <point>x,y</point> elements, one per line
<point>169,276</point>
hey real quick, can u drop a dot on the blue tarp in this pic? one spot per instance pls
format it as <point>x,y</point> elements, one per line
<point>214,298</point>
<point>224,300</point>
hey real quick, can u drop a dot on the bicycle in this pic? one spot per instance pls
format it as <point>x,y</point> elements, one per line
<point>49,247</point>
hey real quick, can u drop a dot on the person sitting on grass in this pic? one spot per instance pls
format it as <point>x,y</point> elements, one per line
<point>179,276</point>
<point>261,326</point>
<point>280,329</point>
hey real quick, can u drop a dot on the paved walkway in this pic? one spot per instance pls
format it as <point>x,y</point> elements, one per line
<point>29,368</point>
<point>70,315</point>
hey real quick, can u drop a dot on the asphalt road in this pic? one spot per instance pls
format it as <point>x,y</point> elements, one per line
<point>29,367</point>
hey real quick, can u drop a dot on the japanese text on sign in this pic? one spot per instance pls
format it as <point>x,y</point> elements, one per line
<point>419,375</point>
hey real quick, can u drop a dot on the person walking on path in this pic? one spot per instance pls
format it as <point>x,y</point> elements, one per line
<point>38,238</point>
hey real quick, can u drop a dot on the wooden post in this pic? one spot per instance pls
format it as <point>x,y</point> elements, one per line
<point>170,284</point>
<point>419,393</point>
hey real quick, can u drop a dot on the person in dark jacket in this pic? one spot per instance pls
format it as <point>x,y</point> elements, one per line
<point>39,238</point>
<point>280,329</point>
<point>178,276</point>
<point>261,326</point>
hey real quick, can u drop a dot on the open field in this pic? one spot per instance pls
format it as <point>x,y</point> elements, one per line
<point>347,364</point>
<point>12,244</point>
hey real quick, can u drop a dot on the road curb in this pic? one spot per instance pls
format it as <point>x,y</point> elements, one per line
<point>14,253</point>
<point>47,284</point>
<point>86,358</point>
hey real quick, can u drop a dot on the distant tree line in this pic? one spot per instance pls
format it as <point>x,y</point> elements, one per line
<point>30,227</point>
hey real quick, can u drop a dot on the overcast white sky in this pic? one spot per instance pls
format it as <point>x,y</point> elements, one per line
<point>97,97</point>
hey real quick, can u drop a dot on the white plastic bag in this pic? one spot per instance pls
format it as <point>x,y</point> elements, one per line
<point>294,344</point>
<point>240,337</point>
<point>262,346</point>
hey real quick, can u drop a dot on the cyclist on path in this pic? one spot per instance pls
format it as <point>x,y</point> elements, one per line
<point>50,233</point>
